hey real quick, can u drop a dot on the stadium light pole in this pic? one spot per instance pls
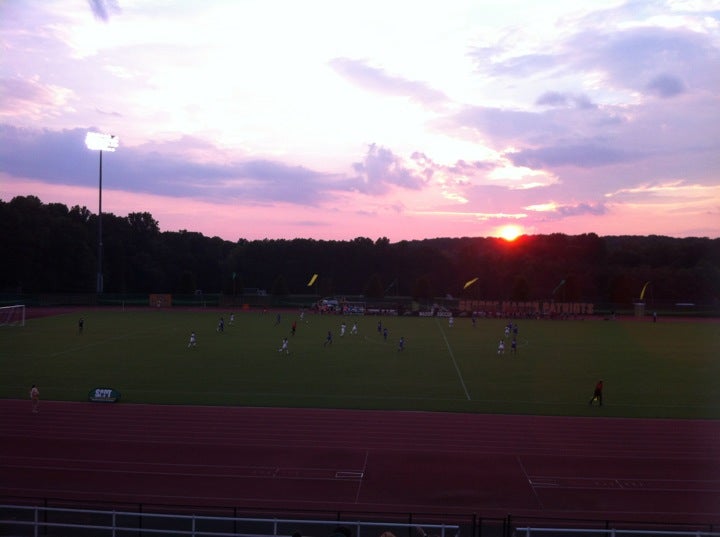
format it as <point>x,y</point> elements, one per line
<point>100,142</point>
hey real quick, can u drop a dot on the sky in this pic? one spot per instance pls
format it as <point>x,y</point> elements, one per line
<point>331,120</point>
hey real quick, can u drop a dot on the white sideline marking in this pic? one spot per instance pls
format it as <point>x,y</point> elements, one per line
<point>447,343</point>
<point>544,482</point>
<point>349,475</point>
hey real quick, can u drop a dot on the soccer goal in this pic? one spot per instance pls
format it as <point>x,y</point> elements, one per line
<point>12,315</point>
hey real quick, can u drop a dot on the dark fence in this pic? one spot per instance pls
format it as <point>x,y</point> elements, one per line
<point>47,516</point>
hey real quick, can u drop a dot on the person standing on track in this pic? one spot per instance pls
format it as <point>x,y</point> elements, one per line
<point>35,398</point>
<point>597,394</point>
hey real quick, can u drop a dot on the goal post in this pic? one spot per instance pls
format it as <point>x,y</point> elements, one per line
<point>12,315</point>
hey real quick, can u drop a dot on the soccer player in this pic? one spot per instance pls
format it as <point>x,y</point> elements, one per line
<point>221,325</point>
<point>401,344</point>
<point>597,394</point>
<point>385,333</point>
<point>293,327</point>
<point>354,329</point>
<point>501,347</point>
<point>81,325</point>
<point>451,321</point>
<point>343,326</point>
<point>35,398</point>
<point>328,339</point>
<point>284,346</point>
<point>513,346</point>
<point>193,342</point>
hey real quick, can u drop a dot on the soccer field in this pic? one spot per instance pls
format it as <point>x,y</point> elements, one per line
<point>664,369</point>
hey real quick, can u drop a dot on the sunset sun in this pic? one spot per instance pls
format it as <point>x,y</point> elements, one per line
<point>509,232</point>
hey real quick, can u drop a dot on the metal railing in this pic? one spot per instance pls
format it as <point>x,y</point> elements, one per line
<point>610,532</point>
<point>49,520</point>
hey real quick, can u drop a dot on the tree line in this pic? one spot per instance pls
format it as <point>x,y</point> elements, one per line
<point>50,248</point>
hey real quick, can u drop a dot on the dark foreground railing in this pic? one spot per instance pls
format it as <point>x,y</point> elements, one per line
<point>612,532</point>
<point>28,520</point>
<point>20,517</point>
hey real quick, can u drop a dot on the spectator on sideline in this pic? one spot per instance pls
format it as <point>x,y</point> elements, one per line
<point>35,398</point>
<point>597,394</point>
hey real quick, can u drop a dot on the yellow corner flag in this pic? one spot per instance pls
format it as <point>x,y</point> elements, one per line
<point>312,280</point>
<point>469,283</point>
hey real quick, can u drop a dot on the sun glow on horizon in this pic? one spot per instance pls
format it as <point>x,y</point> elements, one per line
<point>509,232</point>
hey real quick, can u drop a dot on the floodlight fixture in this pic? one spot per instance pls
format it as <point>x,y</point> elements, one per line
<point>100,142</point>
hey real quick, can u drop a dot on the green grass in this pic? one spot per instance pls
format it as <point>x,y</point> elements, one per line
<point>668,369</point>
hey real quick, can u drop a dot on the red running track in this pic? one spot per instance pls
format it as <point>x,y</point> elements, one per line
<point>363,461</point>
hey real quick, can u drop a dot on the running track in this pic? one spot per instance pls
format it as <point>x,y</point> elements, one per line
<point>363,461</point>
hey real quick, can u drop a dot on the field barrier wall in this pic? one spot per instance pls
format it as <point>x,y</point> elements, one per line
<point>402,305</point>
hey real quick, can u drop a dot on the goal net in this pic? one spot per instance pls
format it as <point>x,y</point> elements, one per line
<point>12,315</point>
